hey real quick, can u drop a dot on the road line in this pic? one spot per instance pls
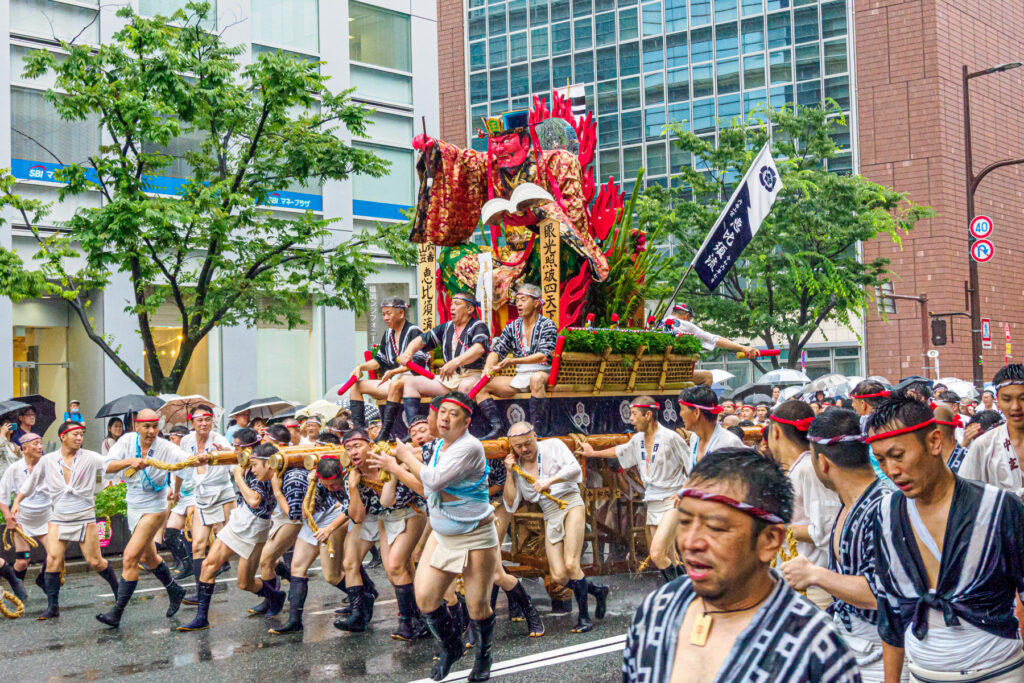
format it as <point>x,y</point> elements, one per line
<point>541,659</point>
<point>377,603</point>
<point>183,585</point>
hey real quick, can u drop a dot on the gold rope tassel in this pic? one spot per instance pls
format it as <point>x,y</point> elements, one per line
<point>19,606</point>
<point>530,479</point>
<point>308,505</point>
<point>8,532</point>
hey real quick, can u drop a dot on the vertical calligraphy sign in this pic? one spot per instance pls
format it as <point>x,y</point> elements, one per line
<point>426,273</point>
<point>550,265</point>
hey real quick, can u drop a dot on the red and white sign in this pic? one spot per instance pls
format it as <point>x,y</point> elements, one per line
<point>982,251</point>
<point>981,227</point>
<point>1006,333</point>
<point>986,333</point>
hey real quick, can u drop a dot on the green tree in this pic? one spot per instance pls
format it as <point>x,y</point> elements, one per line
<point>802,268</point>
<point>215,252</point>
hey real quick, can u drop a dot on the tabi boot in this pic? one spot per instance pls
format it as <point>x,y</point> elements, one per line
<point>260,610</point>
<point>296,602</point>
<point>110,577</point>
<point>205,593</point>
<point>387,420</point>
<point>187,564</point>
<point>197,571</point>
<point>534,625</point>
<point>358,416</point>
<point>491,412</point>
<point>124,594</point>
<point>410,623</point>
<point>446,633</point>
<point>39,576</point>
<point>275,598</point>
<point>175,593</point>
<point>51,586</point>
<point>171,544</point>
<point>538,408</point>
<point>579,589</point>
<point>600,594</point>
<point>17,585</point>
<point>411,406</point>
<point>355,622</point>
<point>482,666</point>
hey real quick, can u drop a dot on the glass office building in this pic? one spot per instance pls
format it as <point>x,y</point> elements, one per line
<point>648,63</point>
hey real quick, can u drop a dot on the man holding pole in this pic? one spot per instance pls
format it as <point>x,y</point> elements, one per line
<point>681,322</point>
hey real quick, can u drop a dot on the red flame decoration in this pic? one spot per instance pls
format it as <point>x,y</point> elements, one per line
<point>601,212</point>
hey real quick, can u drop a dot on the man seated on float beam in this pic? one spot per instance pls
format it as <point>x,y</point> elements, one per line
<point>681,322</point>
<point>530,339</point>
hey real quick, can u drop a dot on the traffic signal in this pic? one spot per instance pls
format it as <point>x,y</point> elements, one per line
<point>938,332</point>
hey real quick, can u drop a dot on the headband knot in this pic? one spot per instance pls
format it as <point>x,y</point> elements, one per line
<point>745,508</point>
<point>714,410</point>
<point>801,425</point>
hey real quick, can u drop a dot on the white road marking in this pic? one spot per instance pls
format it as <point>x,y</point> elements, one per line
<point>541,659</point>
<point>183,585</point>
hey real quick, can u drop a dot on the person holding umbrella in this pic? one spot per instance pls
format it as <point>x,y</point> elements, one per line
<point>115,429</point>
<point>26,422</point>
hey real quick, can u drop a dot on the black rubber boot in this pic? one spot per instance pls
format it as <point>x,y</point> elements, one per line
<point>534,625</point>
<point>51,586</point>
<point>368,582</point>
<point>124,594</point>
<point>274,596</point>
<point>444,630</point>
<point>296,602</point>
<point>283,570</point>
<point>197,571</point>
<point>39,576</point>
<point>387,420</point>
<point>482,666</point>
<point>356,622</point>
<point>412,409</point>
<point>410,624</point>
<point>539,415</point>
<point>491,412</point>
<point>175,593</point>
<point>111,578</point>
<point>600,594</point>
<point>205,593</point>
<point>261,609</point>
<point>515,612</point>
<point>17,586</point>
<point>579,589</point>
<point>187,565</point>
<point>494,596</point>
<point>358,410</point>
<point>346,608</point>
<point>171,543</point>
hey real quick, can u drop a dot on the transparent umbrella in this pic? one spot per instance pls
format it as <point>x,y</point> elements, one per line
<point>784,376</point>
<point>960,387</point>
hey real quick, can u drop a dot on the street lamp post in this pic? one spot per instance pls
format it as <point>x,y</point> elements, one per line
<point>972,185</point>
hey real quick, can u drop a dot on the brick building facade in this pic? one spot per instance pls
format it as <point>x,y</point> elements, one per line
<point>910,55</point>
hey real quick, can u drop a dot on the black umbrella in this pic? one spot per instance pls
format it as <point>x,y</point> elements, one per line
<point>288,412</point>
<point>754,399</point>
<point>45,411</point>
<point>263,407</point>
<point>132,403</point>
<point>742,393</point>
<point>9,407</point>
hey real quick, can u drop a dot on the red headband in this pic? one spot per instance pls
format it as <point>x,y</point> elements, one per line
<point>714,410</point>
<point>71,429</point>
<point>355,437</point>
<point>150,419</point>
<point>885,393</point>
<point>801,425</point>
<point>897,432</point>
<point>654,406</point>
<point>432,407</point>
<point>957,421</point>
<point>458,403</point>
<point>745,508</point>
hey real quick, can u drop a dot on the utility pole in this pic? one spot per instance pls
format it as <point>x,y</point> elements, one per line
<point>974,287</point>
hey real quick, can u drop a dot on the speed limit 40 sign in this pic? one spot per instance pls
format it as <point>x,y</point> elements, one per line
<point>981,227</point>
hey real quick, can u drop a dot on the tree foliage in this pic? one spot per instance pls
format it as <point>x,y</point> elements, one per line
<point>215,252</point>
<point>802,269</point>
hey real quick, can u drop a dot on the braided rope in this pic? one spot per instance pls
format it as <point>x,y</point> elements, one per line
<point>530,479</point>
<point>8,532</point>
<point>308,505</point>
<point>19,606</point>
<point>187,531</point>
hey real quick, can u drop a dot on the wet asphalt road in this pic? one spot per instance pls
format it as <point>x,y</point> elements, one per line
<point>237,647</point>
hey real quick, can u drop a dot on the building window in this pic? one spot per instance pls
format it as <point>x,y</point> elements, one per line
<point>37,130</point>
<point>292,24</point>
<point>396,186</point>
<point>50,19</point>
<point>377,85</point>
<point>630,89</point>
<point>165,8</point>
<point>380,37</point>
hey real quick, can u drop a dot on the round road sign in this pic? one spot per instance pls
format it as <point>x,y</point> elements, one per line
<point>982,251</point>
<point>981,227</point>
